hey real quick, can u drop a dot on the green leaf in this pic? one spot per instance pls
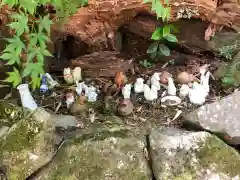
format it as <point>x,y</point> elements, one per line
<point>157,34</point>
<point>154,55</point>
<point>40,58</point>
<point>171,38</point>
<point>45,24</point>
<point>145,63</point>
<point>33,67</point>
<point>13,50</point>
<point>173,28</point>
<point>14,59</point>
<point>6,56</point>
<point>38,39</point>
<point>27,70</point>
<point>44,2</point>
<point>152,48</point>
<point>20,23</point>
<point>166,31</point>
<point>29,5</point>
<point>47,53</point>
<point>36,80</point>
<point>228,80</point>
<point>10,3</point>
<point>164,50</point>
<point>14,77</point>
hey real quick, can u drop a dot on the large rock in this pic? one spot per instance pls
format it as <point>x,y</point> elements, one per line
<point>184,155</point>
<point>94,158</point>
<point>221,117</point>
<point>27,146</point>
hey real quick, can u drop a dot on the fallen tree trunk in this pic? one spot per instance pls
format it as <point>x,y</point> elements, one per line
<point>191,33</point>
<point>97,23</point>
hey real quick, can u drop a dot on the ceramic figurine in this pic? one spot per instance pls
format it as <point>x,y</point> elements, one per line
<point>92,95</point>
<point>150,94</point>
<point>126,91</point>
<point>43,86</point>
<point>184,90</point>
<point>26,97</point>
<point>67,75</point>
<point>172,90</point>
<point>155,80</point>
<point>77,74</point>
<point>51,83</point>
<point>69,99</point>
<point>139,85</point>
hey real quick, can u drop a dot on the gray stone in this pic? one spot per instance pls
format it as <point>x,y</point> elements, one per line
<point>64,121</point>
<point>3,130</point>
<point>28,145</point>
<point>221,117</point>
<point>184,155</point>
<point>112,158</point>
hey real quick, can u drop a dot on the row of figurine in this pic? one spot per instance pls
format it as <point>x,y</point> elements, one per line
<point>197,93</point>
<point>70,76</point>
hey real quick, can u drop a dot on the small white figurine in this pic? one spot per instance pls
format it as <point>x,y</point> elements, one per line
<point>92,95</point>
<point>139,85</point>
<point>52,83</point>
<point>67,75</point>
<point>81,87</point>
<point>150,94</point>
<point>126,91</point>
<point>26,97</point>
<point>197,95</point>
<point>172,90</point>
<point>77,74</point>
<point>205,81</point>
<point>69,99</point>
<point>184,90</point>
<point>155,80</point>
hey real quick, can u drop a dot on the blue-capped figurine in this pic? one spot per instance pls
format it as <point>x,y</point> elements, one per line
<point>44,87</point>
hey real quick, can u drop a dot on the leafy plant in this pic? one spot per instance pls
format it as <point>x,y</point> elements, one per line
<point>27,48</point>
<point>228,51</point>
<point>145,63</point>
<point>157,48</point>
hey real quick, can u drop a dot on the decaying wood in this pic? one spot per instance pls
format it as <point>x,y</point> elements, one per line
<point>96,23</point>
<point>191,33</point>
<point>103,64</point>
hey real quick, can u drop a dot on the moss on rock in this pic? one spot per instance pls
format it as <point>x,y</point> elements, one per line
<point>26,147</point>
<point>110,158</point>
<point>183,155</point>
<point>213,152</point>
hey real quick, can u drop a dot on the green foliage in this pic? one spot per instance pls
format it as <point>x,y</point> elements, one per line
<point>157,48</point>
<point>27,49</point>
<point>145,63</point>
<point>14,77</point>
<point>232,74</point>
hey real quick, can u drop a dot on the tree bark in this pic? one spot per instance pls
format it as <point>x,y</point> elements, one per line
<point>97,23</point>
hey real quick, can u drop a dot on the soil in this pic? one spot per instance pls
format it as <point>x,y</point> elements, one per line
<point>145,114</point>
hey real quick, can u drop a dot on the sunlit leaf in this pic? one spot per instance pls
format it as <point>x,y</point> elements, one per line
<point>20,23</point>
<point>171,38</point>
<point>14,77</point>
<point>45,24</point>
<point>157,34</point>
<point>166,31</point>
